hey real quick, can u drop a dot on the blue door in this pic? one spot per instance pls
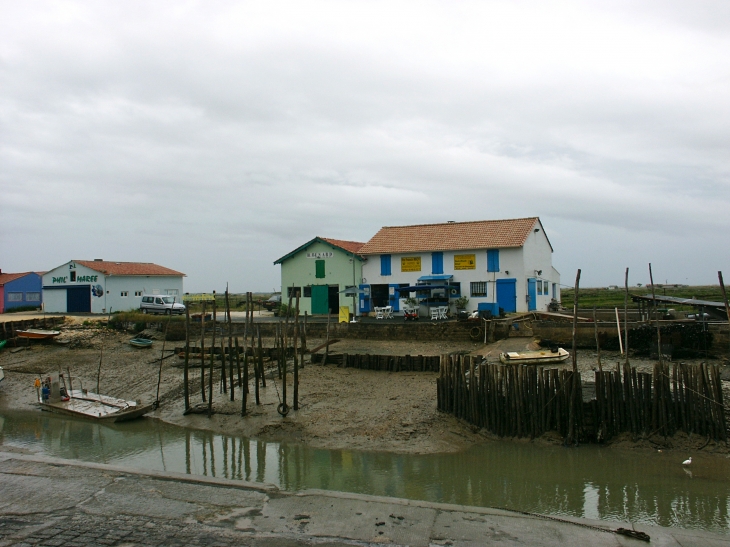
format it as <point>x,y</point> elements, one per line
<point>532,294</point>
<point>507,295</point>
<point>78,299</point>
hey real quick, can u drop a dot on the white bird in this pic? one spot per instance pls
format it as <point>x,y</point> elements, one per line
<point>687,461</point>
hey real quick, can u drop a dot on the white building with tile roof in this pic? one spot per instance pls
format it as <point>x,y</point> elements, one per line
<point>100,286</point>
<point>496,264</point>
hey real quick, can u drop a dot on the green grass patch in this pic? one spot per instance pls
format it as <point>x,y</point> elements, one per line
<point>614,298</point>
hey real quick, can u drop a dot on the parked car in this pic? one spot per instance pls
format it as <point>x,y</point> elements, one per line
<point>273,302</point>
<point>160,304</point>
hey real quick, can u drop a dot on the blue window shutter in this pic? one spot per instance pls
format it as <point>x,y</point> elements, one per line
<point>384,264</point>
<point>437,263</point>
<point>493,260</point>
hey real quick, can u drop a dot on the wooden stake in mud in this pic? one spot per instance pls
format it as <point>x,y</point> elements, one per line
<point>626,315</point>
<point>296,362</point>
<point>162,356</point>
<point>658,328</point>
<point>202,353</point>
<point>327,339</point>
<point>724,296</point>
<point>260,357</point>
<point>244,384</point>
<point>186,385</point>
<point>575,380</point>
<point>283,408</point>
<point>303,334</point>
<point>253,356</point>
<point>212,356</point>
<point>598,344</point>
<point>230,343</point>
<point>224,387</point>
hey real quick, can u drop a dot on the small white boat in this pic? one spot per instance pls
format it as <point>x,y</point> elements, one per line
<point>54,396</point>
<point>540,357</point>
<point>37,334</point>
<point>140,343</point>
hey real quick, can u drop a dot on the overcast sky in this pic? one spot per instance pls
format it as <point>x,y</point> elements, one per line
<point>215,137</point>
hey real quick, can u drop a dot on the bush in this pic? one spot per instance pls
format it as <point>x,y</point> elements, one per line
<point>461,302</point>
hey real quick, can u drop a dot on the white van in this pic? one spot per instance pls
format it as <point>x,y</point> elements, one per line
<point>157,303</point>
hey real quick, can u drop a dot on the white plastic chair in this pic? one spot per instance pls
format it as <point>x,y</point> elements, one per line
<point>379,313</point>
<point>388,312</point>
<point>434,314</point>
<point>442,312</point>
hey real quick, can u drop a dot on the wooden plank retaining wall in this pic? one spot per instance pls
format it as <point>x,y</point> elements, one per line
<point>527,401</point>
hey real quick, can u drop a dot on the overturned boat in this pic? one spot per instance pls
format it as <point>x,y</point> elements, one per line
<point>55,396</point>
<point>540,357</point>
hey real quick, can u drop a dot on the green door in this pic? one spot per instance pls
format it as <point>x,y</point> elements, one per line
<point>320,302</point>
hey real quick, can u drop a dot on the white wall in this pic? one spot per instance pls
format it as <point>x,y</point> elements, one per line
<point>116,285</point>
<point>514,263</point>
<point>511,265</point>
<point>106,290</point>
<point>538,258</point>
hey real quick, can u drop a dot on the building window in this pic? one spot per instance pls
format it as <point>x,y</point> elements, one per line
<point>555,292</point>
<point>291,292</point>
<point>539,287</point>
<point>15,297</point>
<point>478,288</point>
<point>437,263</point>
<point>545,288</point>
<point>73,276</point>
<point>32,297</point>
<point>125,294</point>
<point>493,260</point>
<point>171,292</point>
<point>307,291</point>
<point>384,264</point>
<point>319,269</point>
<point>137,293</point>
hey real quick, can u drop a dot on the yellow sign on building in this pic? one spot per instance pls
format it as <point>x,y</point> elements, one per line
<point>465,262</point>
<point>410,264</point>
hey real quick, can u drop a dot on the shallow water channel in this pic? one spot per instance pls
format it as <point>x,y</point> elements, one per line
<point>587,481</point>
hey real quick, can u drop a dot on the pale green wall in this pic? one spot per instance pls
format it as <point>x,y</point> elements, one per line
<point>298,270</point>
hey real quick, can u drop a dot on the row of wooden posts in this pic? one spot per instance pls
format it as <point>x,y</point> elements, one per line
<point>386,363</point>
<point>514,400</point>
<point>251,349</point>
<point>527,401</point>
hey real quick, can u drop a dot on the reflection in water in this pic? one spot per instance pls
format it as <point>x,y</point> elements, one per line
<point>589,481</point>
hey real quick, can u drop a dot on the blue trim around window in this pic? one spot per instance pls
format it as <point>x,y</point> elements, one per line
<point>493,260</point>
<point>385,265</point>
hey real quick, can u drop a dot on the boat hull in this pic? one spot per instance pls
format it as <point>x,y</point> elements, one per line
<point>140,343</point>
<point>97,407</point>
<point>545,357</point>
<point>36,334</point>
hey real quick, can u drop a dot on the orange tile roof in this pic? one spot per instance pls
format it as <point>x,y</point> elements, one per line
<point>8,277</point>
<point>127,268</point>
<point>350,246</point>
<point>451,236</point>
